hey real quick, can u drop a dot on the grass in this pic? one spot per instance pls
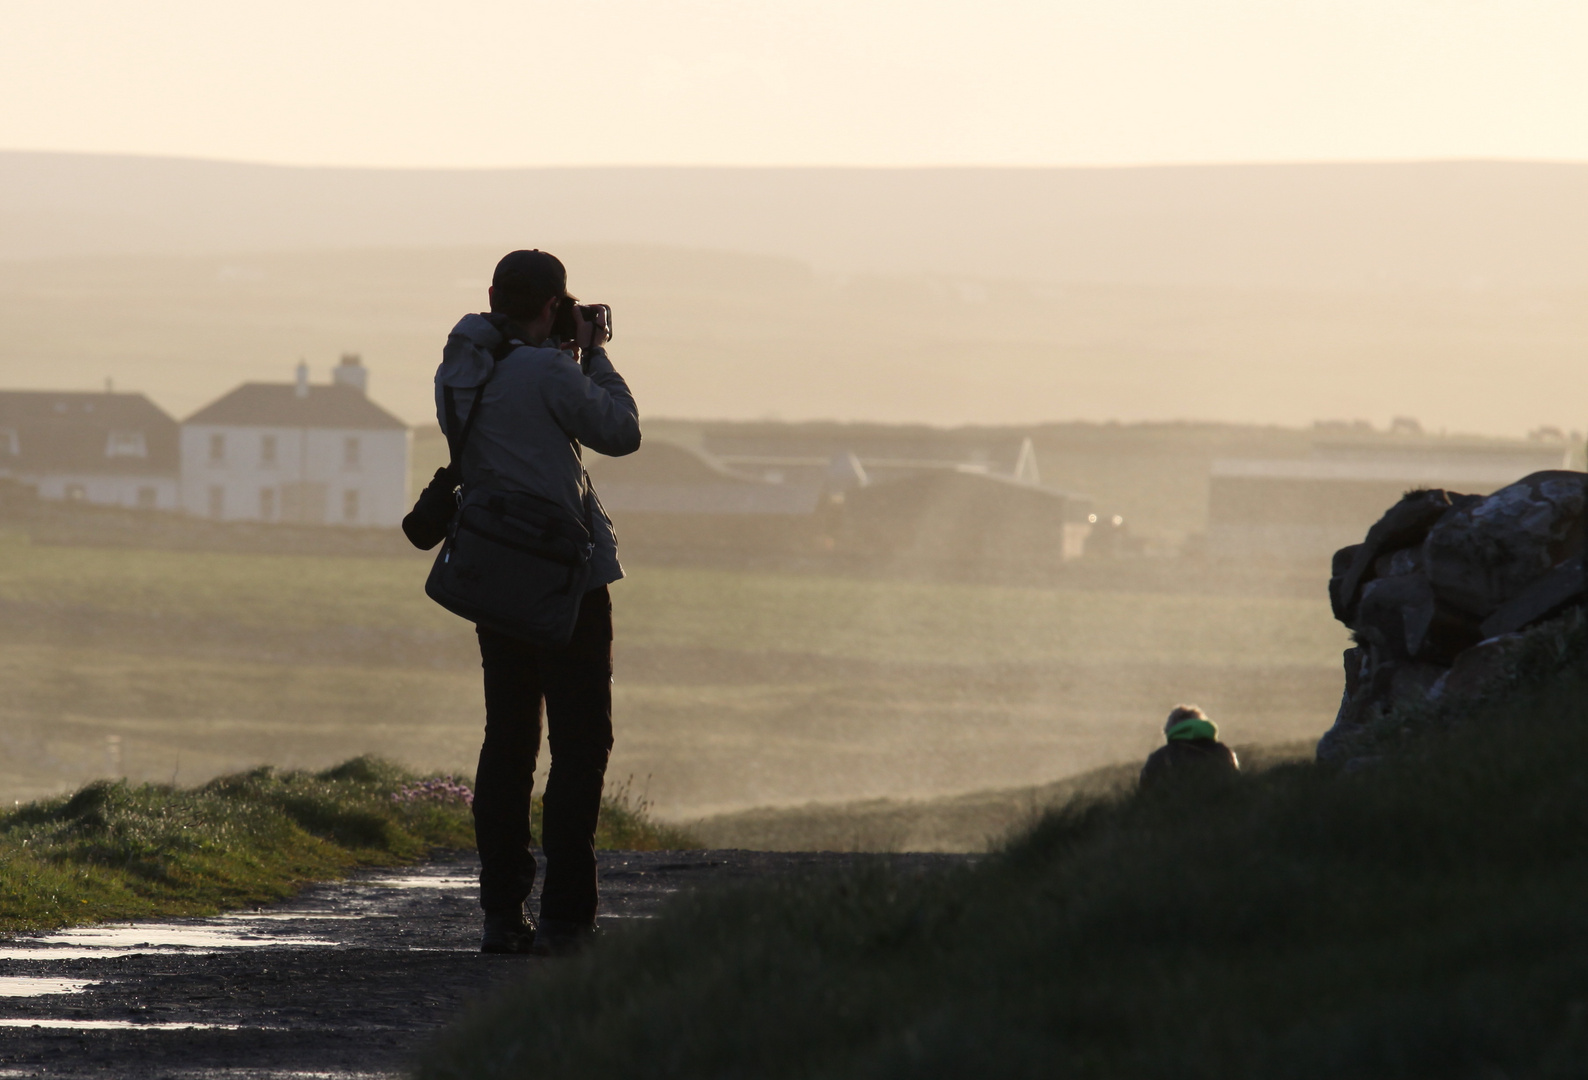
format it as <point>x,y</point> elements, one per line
<point>1418,917</point>
<point>115,851</point>
<point>733,689</point>
<point>737,611</point>
<point>977,821</point>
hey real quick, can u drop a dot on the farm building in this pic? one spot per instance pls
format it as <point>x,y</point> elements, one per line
<point>963,522</point>
<point>670,499</point>
<point>928,515</point>
<point>670,478</point>
<point>1309,507</point>
<point>297,452</point>
<point>105,448</point>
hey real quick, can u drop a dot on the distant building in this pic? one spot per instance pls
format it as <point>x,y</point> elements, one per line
<point>670,478</point>
<point>104,448</point>
<point>296,452</point>
<point>965,521</point>
<point>1309,507</point>
<point>932,515</point>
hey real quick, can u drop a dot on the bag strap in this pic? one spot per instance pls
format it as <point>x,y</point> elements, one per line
<point>458,441</point>
<point>589,503</point>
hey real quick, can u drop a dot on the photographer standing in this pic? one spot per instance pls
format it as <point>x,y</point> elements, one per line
<point>537,373</point>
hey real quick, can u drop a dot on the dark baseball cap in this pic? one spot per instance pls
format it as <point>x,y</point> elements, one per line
<point>525,280</point>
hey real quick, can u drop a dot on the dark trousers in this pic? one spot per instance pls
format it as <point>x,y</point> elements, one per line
<point>575,681</point>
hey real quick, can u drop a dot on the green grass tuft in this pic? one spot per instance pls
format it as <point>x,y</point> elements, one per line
<point>115,850</point>
<point>1421,916</point>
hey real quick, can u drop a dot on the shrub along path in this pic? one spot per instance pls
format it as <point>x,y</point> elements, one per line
<point>349,979</point>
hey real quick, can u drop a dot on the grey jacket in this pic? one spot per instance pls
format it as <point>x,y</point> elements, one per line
<point>540,407</point>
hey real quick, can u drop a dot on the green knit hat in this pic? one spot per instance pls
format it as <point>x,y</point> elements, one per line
<point>1189,722</point>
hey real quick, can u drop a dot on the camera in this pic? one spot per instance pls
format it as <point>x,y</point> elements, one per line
<point>564,328</point>
<point>428,523</point>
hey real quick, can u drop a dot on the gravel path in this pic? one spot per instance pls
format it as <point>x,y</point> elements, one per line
<point>345,981</point>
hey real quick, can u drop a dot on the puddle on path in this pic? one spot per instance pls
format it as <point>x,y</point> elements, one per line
<point>234,930</point>
<point>123,1025</point>
<point>422,881</point>
<point>296,916</point>
<point>104,941</point>
<point>35,986</point>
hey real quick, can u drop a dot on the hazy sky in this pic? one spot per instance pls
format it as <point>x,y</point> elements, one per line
<point>854,82</point>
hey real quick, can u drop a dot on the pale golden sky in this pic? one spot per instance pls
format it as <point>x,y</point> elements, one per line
<point>758,82</point>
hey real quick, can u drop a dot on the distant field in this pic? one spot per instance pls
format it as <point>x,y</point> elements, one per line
<point>733,689</point>
<point>886,621</point>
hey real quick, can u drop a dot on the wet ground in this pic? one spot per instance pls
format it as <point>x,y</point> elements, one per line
<point>346,981</point>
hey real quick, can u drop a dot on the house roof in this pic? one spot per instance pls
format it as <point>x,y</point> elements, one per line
<point>669,498</point>
<point>661,462</point>
<point>74,432</point>
<point>970,490</point>
<point>278,405</point>
<point>671,478</point>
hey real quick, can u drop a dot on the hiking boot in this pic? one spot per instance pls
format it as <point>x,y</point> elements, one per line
<point>560,937</point>
<point>507,932</point>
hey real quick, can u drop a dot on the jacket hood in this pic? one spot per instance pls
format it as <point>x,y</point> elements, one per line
<point>466,360</point>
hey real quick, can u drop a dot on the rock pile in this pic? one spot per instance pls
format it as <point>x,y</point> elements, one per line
<point>1436,594</point>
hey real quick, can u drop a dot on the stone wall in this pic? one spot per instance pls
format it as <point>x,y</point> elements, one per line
<point>1438,592</point>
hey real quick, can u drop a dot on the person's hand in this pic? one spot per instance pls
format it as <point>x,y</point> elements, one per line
<point>588,333</point>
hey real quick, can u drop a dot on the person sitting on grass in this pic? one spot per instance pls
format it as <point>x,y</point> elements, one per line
<point>1193,750</point>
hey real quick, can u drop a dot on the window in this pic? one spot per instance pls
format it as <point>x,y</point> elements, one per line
<point>217,500</point>
<point>350,505</point>
<point>217,449</point>
<point>267,450</point>
<point>350,452</point>
<point>10,445</point>
<point>148,497</point>
<point>267,504</point>
<point>126,444</point>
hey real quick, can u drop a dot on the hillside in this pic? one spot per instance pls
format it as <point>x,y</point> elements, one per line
<point>1417,916</point>
<point>973,822</point>
<point>706,334</point>
<point>1252,294</point>
<point>1300,226</point>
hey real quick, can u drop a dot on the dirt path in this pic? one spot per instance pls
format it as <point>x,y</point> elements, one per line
<point>346,981</point>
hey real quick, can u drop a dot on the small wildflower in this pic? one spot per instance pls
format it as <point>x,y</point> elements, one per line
<point>441,789</point>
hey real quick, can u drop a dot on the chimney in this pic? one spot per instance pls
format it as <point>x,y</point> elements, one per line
<point>302,388</point>
<point>845,473</point>
<point>351,372</point>
<point>1026,467</point>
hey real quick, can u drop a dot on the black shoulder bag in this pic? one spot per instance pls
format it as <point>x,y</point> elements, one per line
<point>510,561</point>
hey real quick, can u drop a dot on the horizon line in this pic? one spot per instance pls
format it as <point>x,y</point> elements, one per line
<point>1255,163</point>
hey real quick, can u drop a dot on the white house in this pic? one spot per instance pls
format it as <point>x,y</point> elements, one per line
<point>110,449</point>
<point>296,452</point>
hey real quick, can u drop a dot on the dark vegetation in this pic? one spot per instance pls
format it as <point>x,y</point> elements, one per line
<point>974,822</point>
<point>1415,914</point>
<point>115,851</point>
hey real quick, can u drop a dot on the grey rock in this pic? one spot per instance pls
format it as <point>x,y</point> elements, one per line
<point>1566,584</point>
<point>1404,524</point>
<point>1476,668</point>
<point>1482,554</point>
<point>1383,610</point>
<point>1408,560</point>
<point>1402,616</point>
<point>1438,590</point>
<point>1412,682</point>
<point>1358,677</point>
